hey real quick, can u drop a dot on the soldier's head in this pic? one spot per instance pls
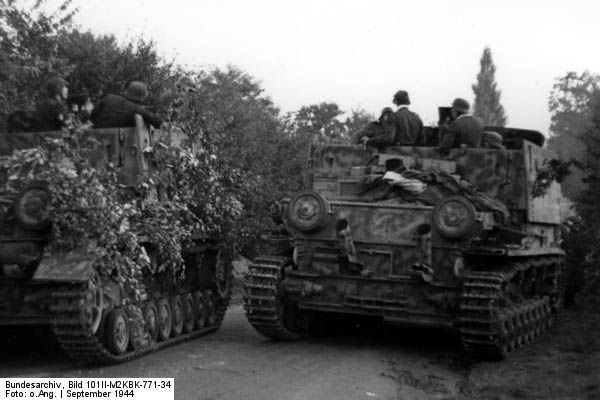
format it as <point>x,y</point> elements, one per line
<point>460,107</point>
<point>386,114</point>
<point>492,140</point>
<point>401,98</point>
<point>136,91</point>
<point>56,87</point>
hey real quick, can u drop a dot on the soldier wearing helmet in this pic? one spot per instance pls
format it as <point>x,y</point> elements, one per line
<point>50,113</point>
<point>377,130</point>
<point>407,126</point>
<point>116,111</point>
<point>492,140</point>
<point>464,130</point>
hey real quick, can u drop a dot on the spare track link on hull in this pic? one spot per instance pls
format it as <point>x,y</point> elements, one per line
<point>88,348</point>
<point>262,300</point>
<point>492,330</point>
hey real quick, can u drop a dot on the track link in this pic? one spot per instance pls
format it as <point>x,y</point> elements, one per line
<point>84,346</point>
<point>262,298</point>
<point>491,325</point>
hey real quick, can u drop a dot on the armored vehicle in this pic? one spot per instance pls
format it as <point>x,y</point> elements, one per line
<point>86,310</point>
<point>466,240</point>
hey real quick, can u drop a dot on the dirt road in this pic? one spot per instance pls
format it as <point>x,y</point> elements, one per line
<point>393,363</point>
<point>238,363</point>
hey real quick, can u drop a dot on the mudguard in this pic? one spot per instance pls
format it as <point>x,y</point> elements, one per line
<point>75,266</point>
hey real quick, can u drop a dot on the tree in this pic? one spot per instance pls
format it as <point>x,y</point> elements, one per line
<point>571,108</point>
<point>320,121</point>
<point>357,120</point>
<point>487,105</point>
<point>28,51</point>
<point>100,65</point>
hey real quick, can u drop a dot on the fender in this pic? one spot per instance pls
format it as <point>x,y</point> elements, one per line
<point>75,266</point>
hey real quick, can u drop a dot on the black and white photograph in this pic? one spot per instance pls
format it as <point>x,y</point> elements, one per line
<point>299,200</point>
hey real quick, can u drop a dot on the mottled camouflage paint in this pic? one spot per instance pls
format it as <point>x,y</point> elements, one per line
<point>385,233</point>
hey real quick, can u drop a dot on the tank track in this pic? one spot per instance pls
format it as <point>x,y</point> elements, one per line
<point>492,327</point>
<point>86,347</point>
<point>262,300</point>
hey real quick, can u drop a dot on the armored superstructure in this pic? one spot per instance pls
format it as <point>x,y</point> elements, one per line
<point>466,240</point>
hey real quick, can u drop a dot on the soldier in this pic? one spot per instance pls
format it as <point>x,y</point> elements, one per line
<point>407,127</point>
<point>463,130</point>
<point>492,140</point>
<point>376,130</point>
<point>116,111</point>
<point>50,113</point>
<point>21,121</point>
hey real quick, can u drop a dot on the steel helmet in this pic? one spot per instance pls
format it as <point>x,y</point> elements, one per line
<point>136,91</point>
<point>461,105</point>
<point>401,98</point>
<point>54,86</point>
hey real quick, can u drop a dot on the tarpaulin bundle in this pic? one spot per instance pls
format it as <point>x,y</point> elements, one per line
<point>428,188</point>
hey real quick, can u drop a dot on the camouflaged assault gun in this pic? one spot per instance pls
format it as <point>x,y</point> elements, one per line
<point>409,236</point>
<point>85,310</point>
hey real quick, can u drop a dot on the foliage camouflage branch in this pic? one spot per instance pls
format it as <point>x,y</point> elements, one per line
<point>92,212</point>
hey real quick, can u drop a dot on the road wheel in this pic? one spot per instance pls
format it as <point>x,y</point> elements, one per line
<point>151,320</point>
<point>189,316</point>
<point>93,304</point>
<point>177,309</point>
<point>165,319</point>
<point>211,307</point>
<point>117,332</point>
<point>200,309</point>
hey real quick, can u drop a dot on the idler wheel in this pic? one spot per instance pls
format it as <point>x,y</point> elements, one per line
<point>117,332</point>
<point>189,315</point>
<point>151,320</point>
<point>223,274</point>
<point>199,309</point>
<point>165,319</point>
<point>177,309</point>
<point>211,307</point>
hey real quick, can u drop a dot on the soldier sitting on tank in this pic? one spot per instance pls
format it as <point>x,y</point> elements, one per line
<point>50,113</point>
<point>20,121</point>
<point>492,140</point>
<point>464,130</point>
<point>116,111</point>
<point>375,129</point>
<point>406,127</point>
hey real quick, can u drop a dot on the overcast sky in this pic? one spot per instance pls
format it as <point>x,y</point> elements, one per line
<point>358,53</point>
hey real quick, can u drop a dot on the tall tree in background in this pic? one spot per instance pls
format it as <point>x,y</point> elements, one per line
<point>487,105</point>
<point>571,112</point>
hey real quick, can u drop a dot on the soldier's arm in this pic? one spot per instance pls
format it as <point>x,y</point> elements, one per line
<point>385,139</point>
<point>96,111</point>
<point>449,133</point>
<point>149,117</point>
<point>419,140</point>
